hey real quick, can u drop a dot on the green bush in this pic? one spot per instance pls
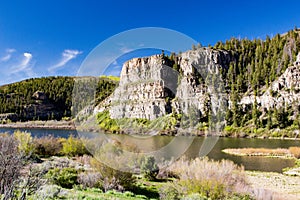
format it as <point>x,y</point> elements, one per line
<point>73,147</point>
<point>149,168</point>
<point>66,177</point>
<point>25,142</point>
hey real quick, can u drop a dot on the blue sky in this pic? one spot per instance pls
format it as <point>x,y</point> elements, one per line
<point>42,38</point>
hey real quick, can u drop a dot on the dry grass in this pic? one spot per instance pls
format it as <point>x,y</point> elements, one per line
<point>295,151</point>
<point>279,152</point>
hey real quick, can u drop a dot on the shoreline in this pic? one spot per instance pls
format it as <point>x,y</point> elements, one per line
<point>70,125</point>
<point>64,125</point>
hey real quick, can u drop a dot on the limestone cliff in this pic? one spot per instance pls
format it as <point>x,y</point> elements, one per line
<point>149,87</point>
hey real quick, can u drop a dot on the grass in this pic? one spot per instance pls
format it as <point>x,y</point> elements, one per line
<point>135,125</point>
<point>95,194</point>
<point>279,152</point>
<point>113,78</point>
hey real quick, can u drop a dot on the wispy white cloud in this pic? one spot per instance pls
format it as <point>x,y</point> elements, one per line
<point>8,55</point>
<point>24,65</point>
<point>67,55</point>
<point>17,68</point>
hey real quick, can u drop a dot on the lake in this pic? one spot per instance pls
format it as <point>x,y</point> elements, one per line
<point>190,146</point>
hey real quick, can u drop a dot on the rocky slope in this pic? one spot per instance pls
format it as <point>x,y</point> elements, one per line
<point>282,93</point>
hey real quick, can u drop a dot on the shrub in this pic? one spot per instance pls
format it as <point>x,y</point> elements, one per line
<point>215,180</point>
<point>90,179</point>
<point>48,192</point>
<point>73,146</point>
<point>169,192</point>
<point>295,151</point>
<point>10,165</point>
<point>66,177</point>
<point>149,168</point>
<point>212,189</point>
<point>47,146</point>
<point>25,141</point>
<point>113,179</point>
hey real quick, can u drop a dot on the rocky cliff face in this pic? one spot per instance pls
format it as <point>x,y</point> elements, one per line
<point>282,93</point>
<point>149,87</point>
<point>143,90</point>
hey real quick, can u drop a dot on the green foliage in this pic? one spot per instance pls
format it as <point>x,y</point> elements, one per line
<point>66,177</point>
<point>212,189</point>
<point>15,98</point>
<point>149,168</point>
<point>167,122</point>
<point>105,87</point>
<point>73,146</point>
<point>257,63</point>
<point>25,141</point>
<point>106,123</point>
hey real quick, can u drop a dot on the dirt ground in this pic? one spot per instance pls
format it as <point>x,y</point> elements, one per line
<point>274,186</point>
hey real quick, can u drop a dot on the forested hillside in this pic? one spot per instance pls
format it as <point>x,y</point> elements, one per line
<point>258,63</point>
<point>44,98</point>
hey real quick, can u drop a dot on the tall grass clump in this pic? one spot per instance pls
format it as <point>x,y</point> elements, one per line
<point>210,179</point>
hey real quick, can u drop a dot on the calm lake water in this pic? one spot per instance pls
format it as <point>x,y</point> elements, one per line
<point>191,147</point>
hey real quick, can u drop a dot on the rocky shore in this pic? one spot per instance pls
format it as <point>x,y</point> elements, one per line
<point>52,124</point>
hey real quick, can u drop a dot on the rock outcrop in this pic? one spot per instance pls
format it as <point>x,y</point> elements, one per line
<point>143,90</point>
<point>41,108</point>
<point>282,93</point>
<point>150,88</point>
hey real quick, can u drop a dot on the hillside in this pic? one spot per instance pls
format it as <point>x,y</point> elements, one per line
<point>44,98</point>
<point>179,91</point>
